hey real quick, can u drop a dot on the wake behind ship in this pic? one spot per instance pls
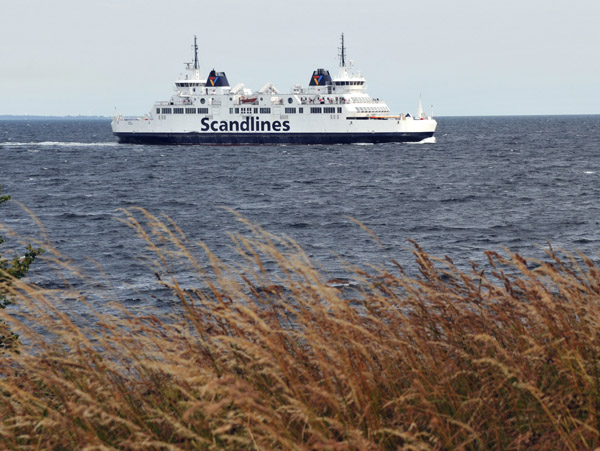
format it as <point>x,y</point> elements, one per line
<point>328,111</point>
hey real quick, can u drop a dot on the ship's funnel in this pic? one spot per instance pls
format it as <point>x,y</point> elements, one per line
<point>216,79</point>
<point>320,77</point>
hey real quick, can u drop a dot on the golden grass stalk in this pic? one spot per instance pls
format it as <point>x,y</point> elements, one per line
<point>505,358</point>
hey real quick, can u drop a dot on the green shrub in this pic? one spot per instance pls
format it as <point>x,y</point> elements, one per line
<point>11,269</point>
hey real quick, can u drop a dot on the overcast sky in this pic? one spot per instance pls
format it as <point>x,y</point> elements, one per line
<point>464,57</point>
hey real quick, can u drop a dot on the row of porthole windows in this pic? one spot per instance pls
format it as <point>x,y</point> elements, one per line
<point>182,110</point>
<point>326,110</point>
<point>349,83</point>
<point>188,85</point>
<point>249,110</point>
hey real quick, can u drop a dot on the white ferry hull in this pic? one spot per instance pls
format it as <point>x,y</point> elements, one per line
<point>231,129</point>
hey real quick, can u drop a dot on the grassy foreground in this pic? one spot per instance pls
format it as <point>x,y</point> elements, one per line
<point>506,358</point>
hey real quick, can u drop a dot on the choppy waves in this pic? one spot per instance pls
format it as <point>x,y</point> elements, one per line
<point>486,183</point>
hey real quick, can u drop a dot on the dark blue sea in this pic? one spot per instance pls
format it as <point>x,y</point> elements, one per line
<point>487,183</point>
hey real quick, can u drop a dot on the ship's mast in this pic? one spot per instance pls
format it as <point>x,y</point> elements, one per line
<point>196,53</point>
<point>342,54</point>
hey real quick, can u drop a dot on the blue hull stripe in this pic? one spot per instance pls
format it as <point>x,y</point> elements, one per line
<point>238,139</point>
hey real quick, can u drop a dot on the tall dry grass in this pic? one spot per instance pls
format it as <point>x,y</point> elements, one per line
<point>505,358</point>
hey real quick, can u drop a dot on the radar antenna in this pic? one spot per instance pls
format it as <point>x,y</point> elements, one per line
<point>342,54</point>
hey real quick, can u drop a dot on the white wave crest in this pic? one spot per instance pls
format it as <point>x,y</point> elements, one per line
<point>57,144</point>
<point>430,140</point>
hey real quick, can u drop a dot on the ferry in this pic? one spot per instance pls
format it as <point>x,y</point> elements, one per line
<point>330,110</point>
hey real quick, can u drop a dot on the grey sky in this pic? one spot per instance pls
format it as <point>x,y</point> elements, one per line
<point>466,57</point>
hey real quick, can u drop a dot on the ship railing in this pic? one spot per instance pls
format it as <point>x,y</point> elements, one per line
<point>256,102</point>
<point>134,118</point>
<point>324,101</point>
<point>316,100</point>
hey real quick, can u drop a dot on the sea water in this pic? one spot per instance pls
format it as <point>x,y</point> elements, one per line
<point>487,183</point>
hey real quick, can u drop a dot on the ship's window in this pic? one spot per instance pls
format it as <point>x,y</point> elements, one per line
<point>339,109</point>
<point>230,110</point>
<point>158,111</point>
<point>315,110</point>
<point>202,110</point>
<point>177,110</point>
<point>265,111</point>
<point>300,110</point>
<point>190,111</point>
<point>256,110</point>
<point>202,101</point>
<point>329,110</point>
<point>237,111</point>
<point>290,100</point>
<point>166,111</point>
<point>290,110</point>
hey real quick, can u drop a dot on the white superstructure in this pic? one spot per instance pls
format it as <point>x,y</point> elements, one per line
<point>328,110</point>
